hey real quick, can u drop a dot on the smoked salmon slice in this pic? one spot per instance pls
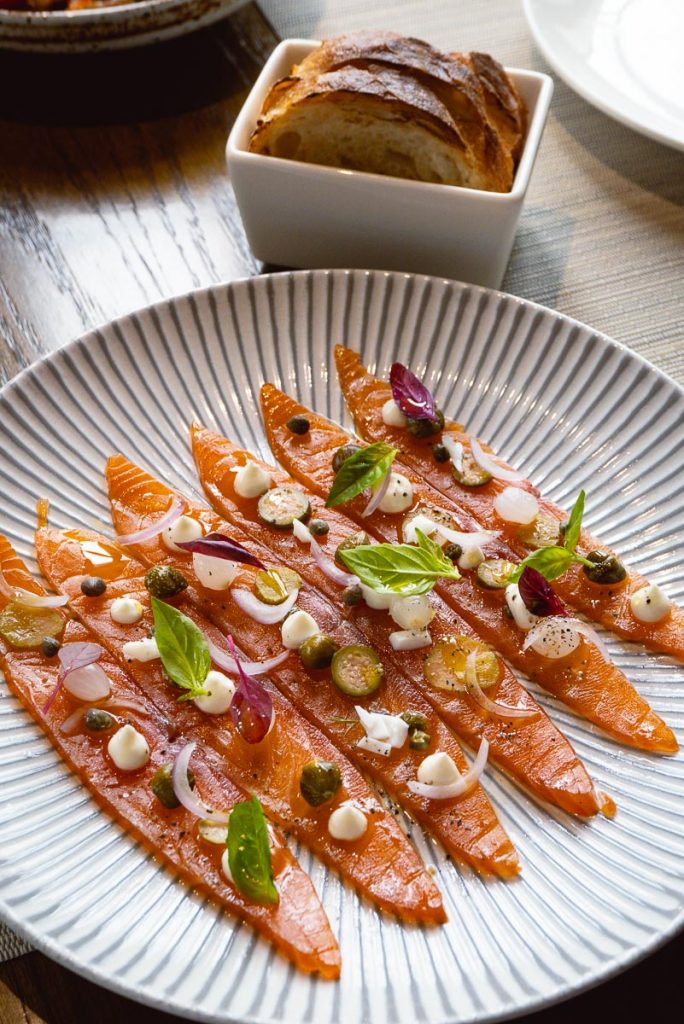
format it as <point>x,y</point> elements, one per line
<point>584,681</point>
<point>473,834</point>
<point>382,864</point>
<point>609,605</point>
<point>532,750</point>
<point>297,925</point>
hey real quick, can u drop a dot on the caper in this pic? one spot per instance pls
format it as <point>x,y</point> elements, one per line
<point>162,785</point>
<point>426,428</point>
<point>453,551</point>
<point>93,586</point>
<point>439,453</point>
<point>317,651</point>
<point>352,595</point>
<point>415,720</point>
<point>298,425</point>
<point>420,740</point>
<point>354,540</point>
<point>98,720</point>
<point>50,646</point>
<point>342,454</point>
<point>607,568</point>
<point>319,527</point>
<point>165,581</point>
<point>319,782</point>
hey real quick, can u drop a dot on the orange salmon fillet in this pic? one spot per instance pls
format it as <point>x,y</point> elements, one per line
<point>297,926</point>
<point>270,769</point>
<point>533,751</point>
<point>592,687</point>
<point>468,827</point>
<point>365,395</point>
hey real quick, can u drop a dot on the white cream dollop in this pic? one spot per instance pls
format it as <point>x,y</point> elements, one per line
<point>251,481</point>
<point>220,690</point>
<point>347,823</point>
<point>414,612</point>
<point>128,749</point>
<point>392,416</point>
<point>516,505</point>
<point>380,602</point>
<point>523,618</point>
<point>298,627</point>
<point>141,650</point>
<point>214,573</point>
<point>438,769</point>
<point>391,729</point>
<point>649,604</point>
<point>126,610</point>
<point>399,495</point>
<point>184,529</point>
<point>471,558</point>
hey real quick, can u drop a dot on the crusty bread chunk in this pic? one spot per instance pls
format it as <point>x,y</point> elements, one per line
<point>382,103</point>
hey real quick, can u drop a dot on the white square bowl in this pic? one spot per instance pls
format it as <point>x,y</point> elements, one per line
<point>305,215</point>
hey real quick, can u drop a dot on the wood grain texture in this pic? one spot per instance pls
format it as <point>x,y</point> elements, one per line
<point>113,194</point>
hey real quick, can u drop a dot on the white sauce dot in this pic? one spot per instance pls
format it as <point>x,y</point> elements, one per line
<point>128,749</point>
<point>347,823</point>
<point>251,481</point>
<point>220,689</point>
<point>126,610</point>
<point>438,769</point>
<point>225,867</point>
<point>523,618</point>
<point>214,573</point>
<point>649,604</point>
<point>399,495</point>
<point>141,650</point>
<point>184,529</point>
<point>392,416</point>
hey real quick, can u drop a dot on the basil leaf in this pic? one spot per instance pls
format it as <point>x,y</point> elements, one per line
<point>574,527</point>
<point>183,649</point>
<point>551,562</point>
<point>249,852</point>
<point>361,470</point>
<point>406,569</point>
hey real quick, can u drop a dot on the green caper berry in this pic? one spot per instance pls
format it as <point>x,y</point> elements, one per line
<point>352,595</point>
<point>298,425</point>
<point>317,651</point>
<point>319,782</point>
<point>426,428</point>
<point>162,785</point>
<point>607,568</point>
<point>165,581</point>
<point>342,454</point>
<point>453,551</point>
<point>354,540</point>
<point>97,720</point>
<point>319,527</point>
<point>50,646</point>
<point>439,453</point>
<point>414,720</point>
<point>93,586</point>
<point>420,740</point>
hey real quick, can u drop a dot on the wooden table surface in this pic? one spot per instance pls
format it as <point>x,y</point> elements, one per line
<point>114,194</point>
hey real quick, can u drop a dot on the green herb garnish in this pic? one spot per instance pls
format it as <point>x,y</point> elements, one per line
<point>249,852</point>
<point>554,560</point>
<point>363,469</point>
<point>406,569</point>
<point>183,649</point>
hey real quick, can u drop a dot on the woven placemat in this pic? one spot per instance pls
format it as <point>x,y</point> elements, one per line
<point>10,945</point>
<point>601,237</point>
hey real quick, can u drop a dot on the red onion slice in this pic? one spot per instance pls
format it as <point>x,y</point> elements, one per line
<point>173,513</point>
<point>28,598</point>
<point>251,708</point>
<point>266,614</point>
<point>459,788</point>
<point>556,622</point>
<point>592,636</point>
<point>71,723</point>
<point>455,450</point>
<point>476,539</point>
<point>71,657</point>
<point>88,683</point>
<point>184,792</point>
<point>5,588</point>
<point>379,492</point>
<point>252,668</point>
<point>490,466</point>
<point>481,698</point>
<point>328,567</point>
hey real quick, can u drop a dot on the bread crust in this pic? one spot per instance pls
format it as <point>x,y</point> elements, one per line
<point>399,79</point>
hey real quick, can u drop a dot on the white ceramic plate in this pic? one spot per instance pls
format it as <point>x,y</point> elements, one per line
<point>108,28</point>
<point>624,56</point>
<point>572,408</point>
